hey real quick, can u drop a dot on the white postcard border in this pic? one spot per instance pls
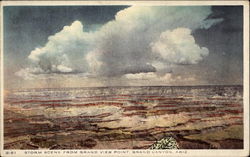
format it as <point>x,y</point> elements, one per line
<point>181,152</point>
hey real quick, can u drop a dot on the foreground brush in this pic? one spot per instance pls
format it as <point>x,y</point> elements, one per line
<point>165,143</point>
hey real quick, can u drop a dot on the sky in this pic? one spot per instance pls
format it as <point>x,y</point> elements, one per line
<point>92,46</point>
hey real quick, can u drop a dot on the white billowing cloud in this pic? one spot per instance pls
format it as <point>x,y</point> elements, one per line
<point>28,73</point>
<point>63,68</point>
<point>139,40</point>
<point>125,44</point>
<point>141,76</point>
<point>64,51</point>
<point>157,79</point>
<point>178,47</point>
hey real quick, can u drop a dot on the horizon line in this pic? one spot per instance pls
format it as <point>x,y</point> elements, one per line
<point>128,86</point>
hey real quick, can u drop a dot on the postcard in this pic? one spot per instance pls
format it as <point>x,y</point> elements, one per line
<point>124,78</point>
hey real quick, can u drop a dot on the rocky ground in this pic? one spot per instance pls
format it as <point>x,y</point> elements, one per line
<point>210,118</point>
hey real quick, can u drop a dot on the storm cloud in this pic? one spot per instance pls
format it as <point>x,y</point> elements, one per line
<point>138,40</point>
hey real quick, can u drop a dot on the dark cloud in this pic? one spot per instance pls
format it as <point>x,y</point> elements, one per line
<point>225,42</point>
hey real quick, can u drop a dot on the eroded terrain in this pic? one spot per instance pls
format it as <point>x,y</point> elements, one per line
<point>201,117</point>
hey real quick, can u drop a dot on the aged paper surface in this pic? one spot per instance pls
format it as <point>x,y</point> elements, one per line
<point>124,78</point>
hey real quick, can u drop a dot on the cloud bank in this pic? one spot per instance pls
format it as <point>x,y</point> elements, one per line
<point>139,40</point>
